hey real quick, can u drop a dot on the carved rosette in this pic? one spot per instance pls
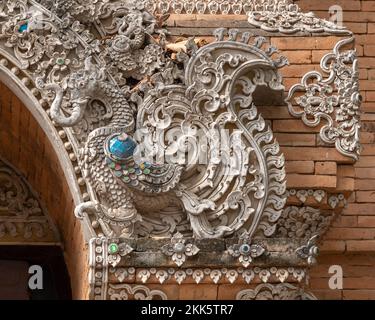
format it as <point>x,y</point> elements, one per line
<point>245,251</point>
<point>179,250</point>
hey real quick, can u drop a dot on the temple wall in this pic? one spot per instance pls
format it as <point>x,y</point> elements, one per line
<point>311,164</point>
<point>351,241</point>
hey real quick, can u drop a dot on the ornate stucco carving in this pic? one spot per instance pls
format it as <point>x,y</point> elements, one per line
<point>208,275</point>
<point>288,19</point>
<point>103,71</point>
<point>22,217</point>
<point>89,10</point>
<point>310,250</point>
<point>192,107</point>
<point>236,7</point>
<point>317,197</point>
<point>95,124</point>
<point>134,292</point>
<point>269,15</point>
<point>275,292</point>
<point>303,222</point>
<point>335,99</point>
<point>245,251</point>
<point>178,249</point>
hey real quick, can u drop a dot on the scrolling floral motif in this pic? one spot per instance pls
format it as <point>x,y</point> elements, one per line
<point>302,222</point>
<point>269,15</point>
<point>135,292</point>
<point>335,99</point>
<point>282,291</point>
<point>288,19</point>
<point>21,215</point>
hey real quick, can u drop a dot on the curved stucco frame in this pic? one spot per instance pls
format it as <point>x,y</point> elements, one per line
<point>29,101</point>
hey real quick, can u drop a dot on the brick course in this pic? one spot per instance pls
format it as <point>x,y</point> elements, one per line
<point>358,238</point>
<point>25,146</point>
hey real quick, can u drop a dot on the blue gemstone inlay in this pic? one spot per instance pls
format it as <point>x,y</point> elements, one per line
<point>122,147</point>
<point>23,27</point>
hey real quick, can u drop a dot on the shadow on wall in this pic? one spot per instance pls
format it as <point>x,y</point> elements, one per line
<point>15,263</point>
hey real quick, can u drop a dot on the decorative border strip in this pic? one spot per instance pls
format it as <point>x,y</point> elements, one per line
<point>269,15</point>
<point>98,273</point>
<point>303,195</point>
<point>224,7</point>
<point>208,275</point>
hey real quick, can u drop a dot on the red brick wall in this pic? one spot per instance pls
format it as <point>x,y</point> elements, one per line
<point>25,145</point>
<point>351,241</point>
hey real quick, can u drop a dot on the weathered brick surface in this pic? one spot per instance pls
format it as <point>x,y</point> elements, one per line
<point>357,234</point>
<point>25,145</point>
<point>329,168</point>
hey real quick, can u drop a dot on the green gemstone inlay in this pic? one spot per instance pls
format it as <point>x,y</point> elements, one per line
<point>60,61</point>
<point>113,248</point>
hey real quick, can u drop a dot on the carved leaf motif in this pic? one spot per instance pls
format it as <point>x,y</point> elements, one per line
<point>144,275</point>
<point>248,275</point>
<point>231,275</point>
<point>191,249</point>
<point>114,259</point>
<point>198,276</point>
<point>215,275</point>
<point>245,260</point>
<point>121,274</point>
<point>282,274</point>
<point>162,276</point>
<point>264,275</point>
<point>180,276</point>
<point>178,258</point>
